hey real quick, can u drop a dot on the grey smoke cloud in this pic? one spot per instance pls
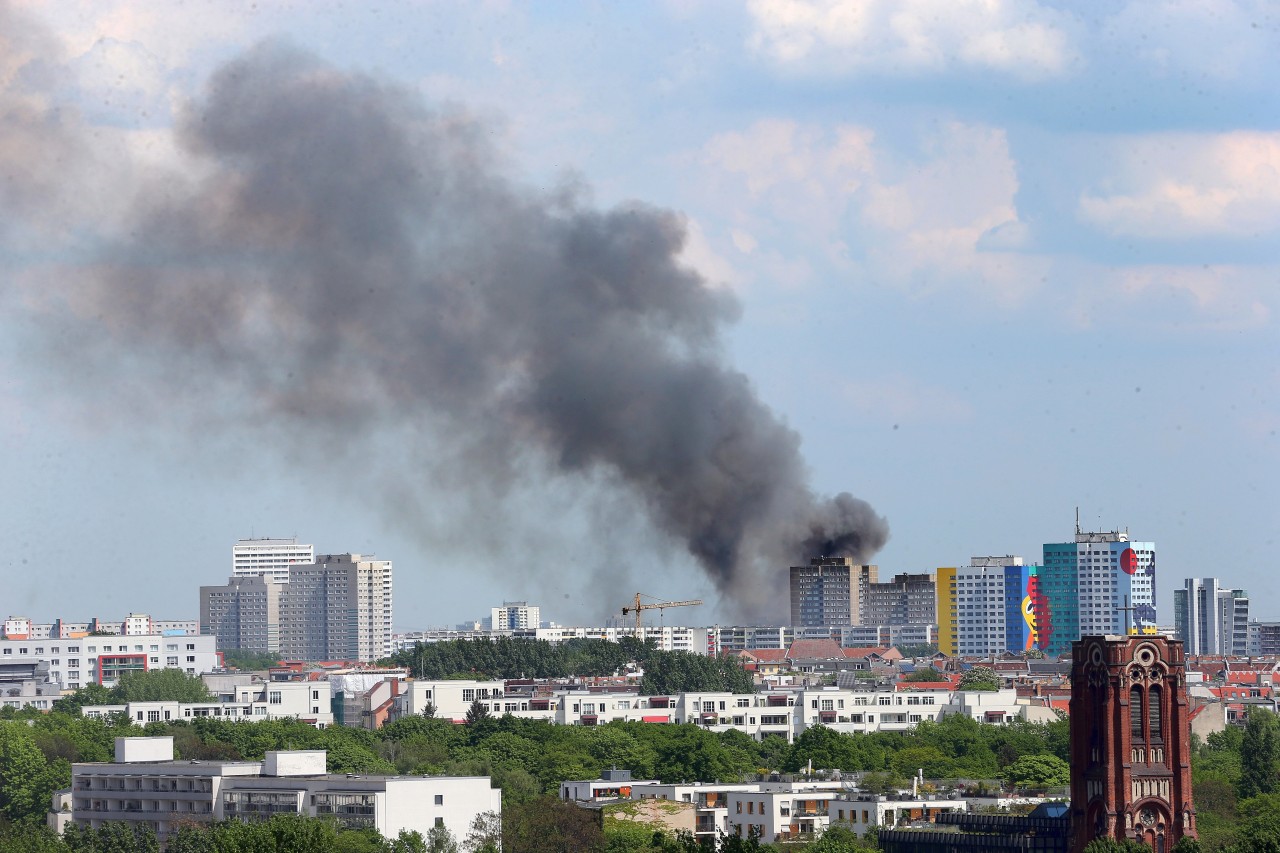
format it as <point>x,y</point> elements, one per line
<point>341,256</point>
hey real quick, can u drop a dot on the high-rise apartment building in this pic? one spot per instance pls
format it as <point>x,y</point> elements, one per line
<point>338,607</point>
<point>1211,620</point>
<point>830,591</point>
<point>515,616</point>
<point>908,599</point>
<point>270,558</point>
<point>985,608</point>
<point>244,614</point>
<point>1102,583</point>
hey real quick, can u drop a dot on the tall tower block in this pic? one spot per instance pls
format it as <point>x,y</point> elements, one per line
<point>1130,741</point>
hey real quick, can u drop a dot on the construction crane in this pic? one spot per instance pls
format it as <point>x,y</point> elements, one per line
<point>640,607</point>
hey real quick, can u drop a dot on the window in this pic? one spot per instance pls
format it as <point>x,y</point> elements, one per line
<point>1135,713</point>
<point>276,698</point>
<point>1153,714</point>
<point>439,799</point>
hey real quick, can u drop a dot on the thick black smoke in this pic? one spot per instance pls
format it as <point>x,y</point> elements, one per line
<point>343,257</point>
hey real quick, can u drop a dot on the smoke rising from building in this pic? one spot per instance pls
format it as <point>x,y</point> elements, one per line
<point>337,256</point>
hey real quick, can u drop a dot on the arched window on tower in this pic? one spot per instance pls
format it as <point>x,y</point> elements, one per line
<point>1154,715</point>
<point>1135,713</point>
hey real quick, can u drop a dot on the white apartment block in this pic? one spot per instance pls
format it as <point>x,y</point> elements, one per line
<point>138,625</point>
<point>26,681</point>
<point>102,659</point>
<point>789,811</point>
<point>22,628</point>
<point>710,803</point>
<point>338,607</point>
<point>784,712</point>
<point>269,558</point>
<point>666,638</point>
<point>515,616</point>
<point>861,812</point>
<point>145,785</point>
<point>305,701</point>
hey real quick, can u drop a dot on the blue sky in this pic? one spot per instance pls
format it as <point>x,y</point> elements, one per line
<point>994,261</point>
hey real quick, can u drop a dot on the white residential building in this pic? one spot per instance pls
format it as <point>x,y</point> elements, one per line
<point>146,785</point>
<point>269,558</point>
<point>861,812</point>
<point>306,701</point>
<point>780,811</point>
<point>782,712</point>
<point>102,659</point>
<point>515,616</point>
<point>138,625</point>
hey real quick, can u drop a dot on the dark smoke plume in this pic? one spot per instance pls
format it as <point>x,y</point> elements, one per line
<point>341,257</point>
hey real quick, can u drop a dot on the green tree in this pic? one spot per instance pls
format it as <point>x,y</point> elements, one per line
<point>91,694</point>
<point>1260,754</point>
<point>980,678</point>
<point>160,685</point>
<point>838,839</point>
<point>249,660</point>
<point>924,673</point>
<point>26,780</point>
<point>1110,845</point>
<point>31,839</point>
<point>485,833</point>
<point>550,825</point>
<point>408,841</point>
<point>1259,824</point>
<point>1038,772</point>
<point>441,840</point>
<point>478,712</point>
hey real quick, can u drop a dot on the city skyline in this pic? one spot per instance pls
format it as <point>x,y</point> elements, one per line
<point>980,267</point>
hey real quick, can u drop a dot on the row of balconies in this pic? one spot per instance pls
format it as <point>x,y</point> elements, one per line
<point>109,783</point>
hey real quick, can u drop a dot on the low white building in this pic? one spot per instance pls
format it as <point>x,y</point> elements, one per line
<point>145,785</point>
<point>780,811</point>
<point>860,812</point>
<point>306,701</point>
<point>103,659</point>
<point>710,803</point>
<point>782,711</point>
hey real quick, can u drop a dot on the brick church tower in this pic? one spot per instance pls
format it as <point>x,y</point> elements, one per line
<point>1130,742</point>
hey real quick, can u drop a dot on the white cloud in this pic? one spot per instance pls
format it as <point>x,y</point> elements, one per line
<point>1177,186</point>
<point>700,255</point>
<point>910,36</point>
<point>918,216</point>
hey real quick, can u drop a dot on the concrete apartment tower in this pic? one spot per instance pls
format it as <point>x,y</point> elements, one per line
<point>1102,583</point>
<point>338,607</point>
<point>1211,620</point>
<point>244,613</point>
<point>830,591</point>
<point>1130,741</point>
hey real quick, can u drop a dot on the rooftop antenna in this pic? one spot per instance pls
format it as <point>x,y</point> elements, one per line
<point>1077,519</point>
